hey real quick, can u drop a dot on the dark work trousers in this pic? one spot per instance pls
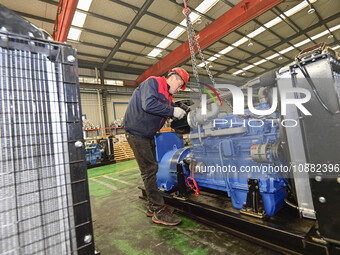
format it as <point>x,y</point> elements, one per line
<point>145,154</point>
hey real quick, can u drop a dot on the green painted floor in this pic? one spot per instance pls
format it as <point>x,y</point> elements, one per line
<point>121,226</point>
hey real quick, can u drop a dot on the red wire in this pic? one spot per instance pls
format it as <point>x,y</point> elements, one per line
<point>185,4</point>
<point>195,188</point>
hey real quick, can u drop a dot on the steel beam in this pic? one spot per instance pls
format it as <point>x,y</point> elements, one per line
<point>136,19</point>
<point>63,21</point>
<point>239,15</point>
<point>287,40</point>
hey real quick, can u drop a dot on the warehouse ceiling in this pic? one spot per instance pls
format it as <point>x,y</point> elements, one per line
<point>131,36</point>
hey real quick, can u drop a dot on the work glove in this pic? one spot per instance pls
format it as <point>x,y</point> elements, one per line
<point>179,113</point>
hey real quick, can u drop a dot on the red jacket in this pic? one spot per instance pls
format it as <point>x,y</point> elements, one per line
<point>149,106</point>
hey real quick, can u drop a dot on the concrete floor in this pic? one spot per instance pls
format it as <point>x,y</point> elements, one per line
<point>121,226</point>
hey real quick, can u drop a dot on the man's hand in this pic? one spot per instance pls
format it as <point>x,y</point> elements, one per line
<point>179,113</point>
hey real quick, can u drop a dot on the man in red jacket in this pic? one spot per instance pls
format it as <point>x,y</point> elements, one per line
<point>149,107</point>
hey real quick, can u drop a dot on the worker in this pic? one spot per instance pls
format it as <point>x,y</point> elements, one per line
<point>149,107</point>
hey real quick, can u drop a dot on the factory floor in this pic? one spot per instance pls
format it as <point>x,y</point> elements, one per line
<point>121,226</point>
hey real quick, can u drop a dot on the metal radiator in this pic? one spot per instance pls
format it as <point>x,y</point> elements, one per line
<point>44,197</point>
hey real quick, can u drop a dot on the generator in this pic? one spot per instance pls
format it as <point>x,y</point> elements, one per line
<point>45,204</point>
<point>94,153</point>
<point>276,174</point>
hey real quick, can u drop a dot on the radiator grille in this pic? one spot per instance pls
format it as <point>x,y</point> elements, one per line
<point>39,114</point>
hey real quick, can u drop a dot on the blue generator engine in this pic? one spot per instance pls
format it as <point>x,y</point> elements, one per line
<point>237,154</point>
<point>93,153</point>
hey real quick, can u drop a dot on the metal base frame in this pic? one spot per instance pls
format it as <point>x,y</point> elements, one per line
<point>271,233</point>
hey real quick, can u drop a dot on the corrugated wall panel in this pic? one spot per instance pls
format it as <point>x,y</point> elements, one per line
<point>89,105</point>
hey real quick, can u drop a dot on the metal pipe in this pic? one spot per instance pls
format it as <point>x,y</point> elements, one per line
<point>196,118</point>
<point>100,109</point>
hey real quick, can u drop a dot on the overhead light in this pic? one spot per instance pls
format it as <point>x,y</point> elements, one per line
<point>198,21</point>
<point>243,74</point>
<point>74,34</point>
<point>250,44</point>
<point>330,36</point>
<point>336,47</point>
<point>311,10</point>
<point>211,66</point>
<point>299,7</point>
<point>280,58</point>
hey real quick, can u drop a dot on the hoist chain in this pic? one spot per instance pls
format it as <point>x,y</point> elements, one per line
<point>193,39</point>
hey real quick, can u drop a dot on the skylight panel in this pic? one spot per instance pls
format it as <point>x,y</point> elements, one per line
<point>273,56</point>
<point>226,50</point>
<point>203,64</point>
<point>212,58</point>
<point>84,5</point>
<point>256,32</point>
<point>176,32</point>
<point>74,34</point>
<point>273,22</point>
<point>78,19</point>
<point>334,28</point>
<point>302,43</point>
<point>239,42</point>
<point>154,53</point>
<point>286,50</point>
<point>296,9</point>
<point>205,6</point>
<point>237,72</point>
<point>260,62</point>
<point>319,35</point>
<point>164,43</point>
<point>248,67</point>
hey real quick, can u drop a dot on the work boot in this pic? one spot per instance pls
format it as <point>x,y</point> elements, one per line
<point>166,217</point>
<point>149,211</point>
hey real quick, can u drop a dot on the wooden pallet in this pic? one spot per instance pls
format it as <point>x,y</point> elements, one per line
<point>123,151</point>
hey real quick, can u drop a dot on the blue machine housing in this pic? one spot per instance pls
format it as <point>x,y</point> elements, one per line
<point>169,151</point>
<point>222,160</point>
<point>93,152</point>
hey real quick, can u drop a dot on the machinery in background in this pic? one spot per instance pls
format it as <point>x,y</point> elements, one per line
<point>99,151</point>
<point>277,153</point>
<point>94,153</point>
